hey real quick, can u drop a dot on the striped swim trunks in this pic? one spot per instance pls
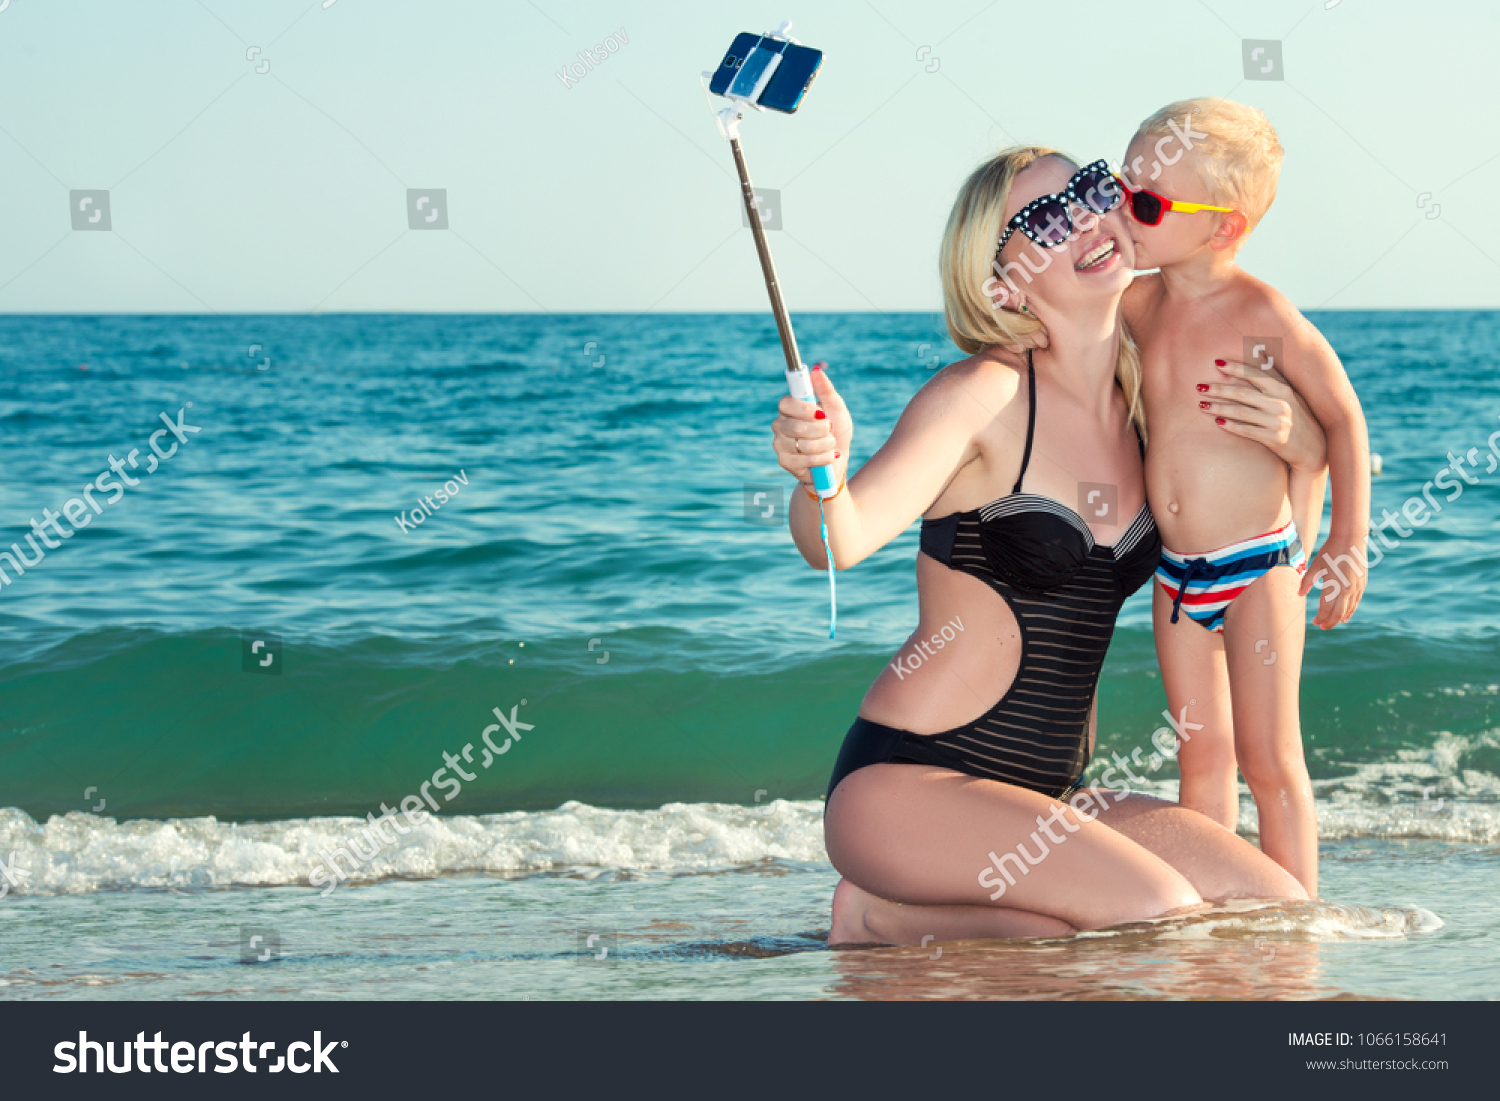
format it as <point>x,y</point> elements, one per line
<point>1205,586</point>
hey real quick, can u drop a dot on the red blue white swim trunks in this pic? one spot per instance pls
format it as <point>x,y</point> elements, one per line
<point>1204,586</point>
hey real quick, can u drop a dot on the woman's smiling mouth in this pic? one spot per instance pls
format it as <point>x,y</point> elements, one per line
<point>1098,257</point>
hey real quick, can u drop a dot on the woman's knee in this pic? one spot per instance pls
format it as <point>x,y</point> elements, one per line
<point>855,817</point>
<point>1152,897</point>
<point>849,801</point>
<point>1170,894</point>
<point>1255,876</point>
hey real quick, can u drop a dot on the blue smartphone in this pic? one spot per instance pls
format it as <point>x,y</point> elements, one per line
<point>751,57</point>
<point>739,49</point>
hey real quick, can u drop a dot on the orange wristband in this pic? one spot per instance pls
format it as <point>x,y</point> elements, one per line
<point>836,492</point>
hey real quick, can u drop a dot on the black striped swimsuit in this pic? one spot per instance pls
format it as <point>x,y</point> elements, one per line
<point>1066,592</point>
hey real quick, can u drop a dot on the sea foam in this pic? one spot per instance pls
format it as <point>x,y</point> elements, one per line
<point>80,853</point>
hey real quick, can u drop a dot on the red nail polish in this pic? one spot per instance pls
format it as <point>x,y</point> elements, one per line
<point>1220,363</point>
<point>820,415</point>
<point>1203,388</point>
<point>1218,420</point>
<point>1203,405</point>
<point>835,454</point>
<point>819,365</point>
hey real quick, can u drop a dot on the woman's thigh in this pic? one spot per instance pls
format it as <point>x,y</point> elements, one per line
<point>921,835</point>
<point>1216,861</point>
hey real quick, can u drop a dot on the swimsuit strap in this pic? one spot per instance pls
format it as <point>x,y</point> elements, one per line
<point>1030,419</point>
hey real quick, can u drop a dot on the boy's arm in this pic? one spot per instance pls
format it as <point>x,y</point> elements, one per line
<point>1306,489</point>
<point>1312,367</point>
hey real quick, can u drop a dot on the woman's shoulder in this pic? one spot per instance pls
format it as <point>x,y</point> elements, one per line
<point>988,381</point>
<point>981,400</point>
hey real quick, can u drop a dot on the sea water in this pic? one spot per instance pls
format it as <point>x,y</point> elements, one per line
<point>602,583</point>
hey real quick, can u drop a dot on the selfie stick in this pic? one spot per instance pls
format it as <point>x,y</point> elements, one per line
<point>798,379</point>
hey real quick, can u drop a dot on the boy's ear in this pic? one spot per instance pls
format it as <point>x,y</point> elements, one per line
<point>1231,232</point>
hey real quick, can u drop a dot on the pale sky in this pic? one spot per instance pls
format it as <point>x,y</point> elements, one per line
<point>285,190</point>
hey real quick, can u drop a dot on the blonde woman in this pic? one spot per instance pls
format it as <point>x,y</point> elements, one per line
<point>954,810</point>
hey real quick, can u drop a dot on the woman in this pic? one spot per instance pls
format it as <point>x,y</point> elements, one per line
<point>965,751</point>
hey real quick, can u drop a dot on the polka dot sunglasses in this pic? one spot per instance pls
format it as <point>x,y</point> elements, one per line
<point>1049,220</point>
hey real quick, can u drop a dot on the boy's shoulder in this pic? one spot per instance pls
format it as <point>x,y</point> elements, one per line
<point>1256,300</point>
<point>1261,309</point>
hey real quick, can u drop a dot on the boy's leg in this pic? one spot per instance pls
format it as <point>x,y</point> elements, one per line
<point>1263,635</point>
<point>1195,676</point>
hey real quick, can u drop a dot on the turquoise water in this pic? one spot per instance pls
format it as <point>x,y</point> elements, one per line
<point>753,933</point>
<point>596,562</point>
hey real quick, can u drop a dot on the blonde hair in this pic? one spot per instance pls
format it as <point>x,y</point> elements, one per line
<point>965,264</point>
<point>1240,159</point>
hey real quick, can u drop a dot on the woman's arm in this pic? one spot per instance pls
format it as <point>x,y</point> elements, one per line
<point>932,441</point>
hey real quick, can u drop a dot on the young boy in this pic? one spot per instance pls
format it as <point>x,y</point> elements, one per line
<point>1229,611</point>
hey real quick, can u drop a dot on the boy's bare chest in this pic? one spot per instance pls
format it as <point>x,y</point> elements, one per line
<point>1178,354</point>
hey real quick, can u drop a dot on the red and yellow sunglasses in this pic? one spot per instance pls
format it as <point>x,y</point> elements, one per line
<point>1148,208</point>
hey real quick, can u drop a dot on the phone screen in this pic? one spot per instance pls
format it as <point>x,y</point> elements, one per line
<point>792,78</point>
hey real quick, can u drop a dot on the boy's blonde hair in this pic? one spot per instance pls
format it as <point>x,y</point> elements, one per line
<point>1240,159</point>
<point>965,264</point>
